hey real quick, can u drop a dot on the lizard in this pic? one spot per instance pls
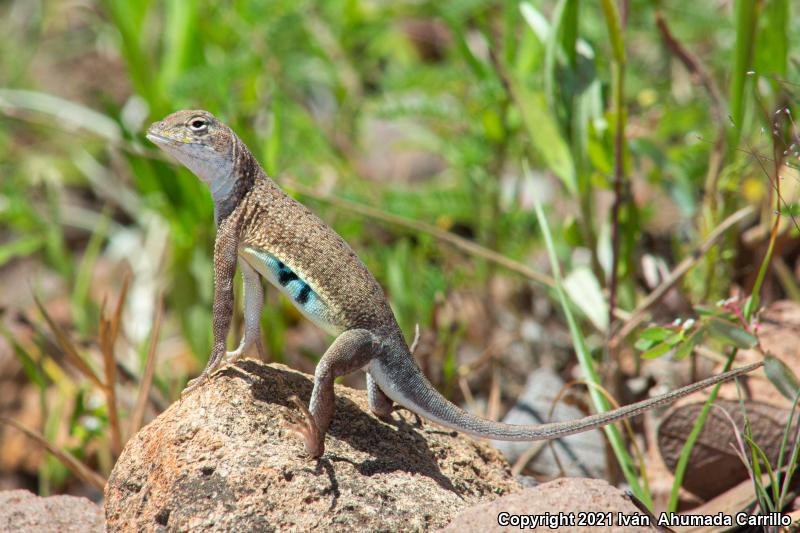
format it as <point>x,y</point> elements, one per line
<point>269,234</point>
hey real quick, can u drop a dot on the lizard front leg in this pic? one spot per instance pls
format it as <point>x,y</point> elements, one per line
<point>225,256</point>
<point>351,350</point>
<point>253,303</point>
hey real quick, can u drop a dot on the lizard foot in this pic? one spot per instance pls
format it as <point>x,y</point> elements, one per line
<point>232,357</point>
<point>193,384</point>
<point>215,363</point>
<point>305,426</point>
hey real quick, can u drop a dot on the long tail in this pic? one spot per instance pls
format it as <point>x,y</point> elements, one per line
<point>409,387</point>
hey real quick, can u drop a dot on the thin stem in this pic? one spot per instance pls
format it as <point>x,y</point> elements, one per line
<point>618,72</point>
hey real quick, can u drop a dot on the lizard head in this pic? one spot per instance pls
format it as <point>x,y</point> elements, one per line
<point>202,143</point>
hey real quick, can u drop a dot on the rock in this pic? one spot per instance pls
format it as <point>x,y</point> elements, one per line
<point>568,496</point>
<point>223,459</point>
<point>21,510</point>
<point>582,454</point>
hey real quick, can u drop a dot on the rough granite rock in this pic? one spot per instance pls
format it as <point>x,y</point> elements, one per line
<point>223,459</point>
<point>569,496</point>
<point>21,510</point>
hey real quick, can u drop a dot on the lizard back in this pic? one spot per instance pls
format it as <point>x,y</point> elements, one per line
<point>310,263</point>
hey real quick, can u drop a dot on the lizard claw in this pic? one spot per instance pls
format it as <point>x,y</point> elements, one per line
<point>304,425</point>
<point>192,385</point>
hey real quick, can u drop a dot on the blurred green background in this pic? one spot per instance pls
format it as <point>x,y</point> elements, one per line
<point>423,110</point>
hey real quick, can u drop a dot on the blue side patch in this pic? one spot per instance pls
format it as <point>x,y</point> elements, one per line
<point>295,288</point>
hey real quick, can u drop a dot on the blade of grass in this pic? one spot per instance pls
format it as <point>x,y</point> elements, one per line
<point>551,51</point>
<point>67,112</point>
<point>479,69</point>
<point>178,34</point>
<point>127,18</point>
<point>21,247</point>
<point>67,459</point>
<point>31,367</point>
<point>67,346</point>
<point>626,462</point>
<point>746,21</point>
<point>688,446</point>
<point>80,293</point>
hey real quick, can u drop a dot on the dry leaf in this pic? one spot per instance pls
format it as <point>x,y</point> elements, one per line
<point>714,465</point>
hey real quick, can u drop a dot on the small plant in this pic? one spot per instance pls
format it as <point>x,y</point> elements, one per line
<point>725,324</point>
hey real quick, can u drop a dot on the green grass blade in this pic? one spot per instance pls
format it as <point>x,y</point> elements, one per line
<point>179,34</point>
<point>746,21</point>
<point>544,134</point>
<point>686,451</point>
<point>551,52</point>
<point>599,401</point>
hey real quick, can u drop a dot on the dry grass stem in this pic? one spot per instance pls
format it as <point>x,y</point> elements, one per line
<point>149,369</point>
<point>67,459</point>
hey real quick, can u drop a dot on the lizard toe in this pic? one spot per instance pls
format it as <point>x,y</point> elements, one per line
<point>232,357</point>
<point>304,425</point>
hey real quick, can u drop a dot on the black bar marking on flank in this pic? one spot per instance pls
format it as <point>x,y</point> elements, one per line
<point>304,293</point>
<point>286,276</point>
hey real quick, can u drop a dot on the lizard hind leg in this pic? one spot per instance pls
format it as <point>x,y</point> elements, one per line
<point>351,350</point>
<point>380,404</point>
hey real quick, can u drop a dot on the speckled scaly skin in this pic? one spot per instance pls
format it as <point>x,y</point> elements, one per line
<point>272,235</point>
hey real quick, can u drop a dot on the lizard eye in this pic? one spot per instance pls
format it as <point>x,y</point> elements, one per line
<point>198,124</point>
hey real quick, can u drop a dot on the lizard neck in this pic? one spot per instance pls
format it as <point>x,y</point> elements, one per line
<point>228,191</point>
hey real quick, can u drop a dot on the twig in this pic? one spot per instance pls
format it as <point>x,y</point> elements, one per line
<point>149,369</point>
<point>639,314</point>
<point>67,459</point>
<point>109,329</point>
<point>613,22</point>
<point>693,65</point>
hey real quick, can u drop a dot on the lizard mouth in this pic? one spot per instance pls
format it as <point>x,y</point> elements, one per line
<point>168,141</point>
<point>158,139</point>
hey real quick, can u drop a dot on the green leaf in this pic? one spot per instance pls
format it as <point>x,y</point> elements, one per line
<point>685,349</point>
<point>657,333</point>
<point>644,344</point>
<point>32,370</point>
<point>544,134</point>
<point>732,334</point>
<point>657,351</point>
<point>584,289</point>
<point>710,311</point>
<point>675,338</point>
<point>782,377</point>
